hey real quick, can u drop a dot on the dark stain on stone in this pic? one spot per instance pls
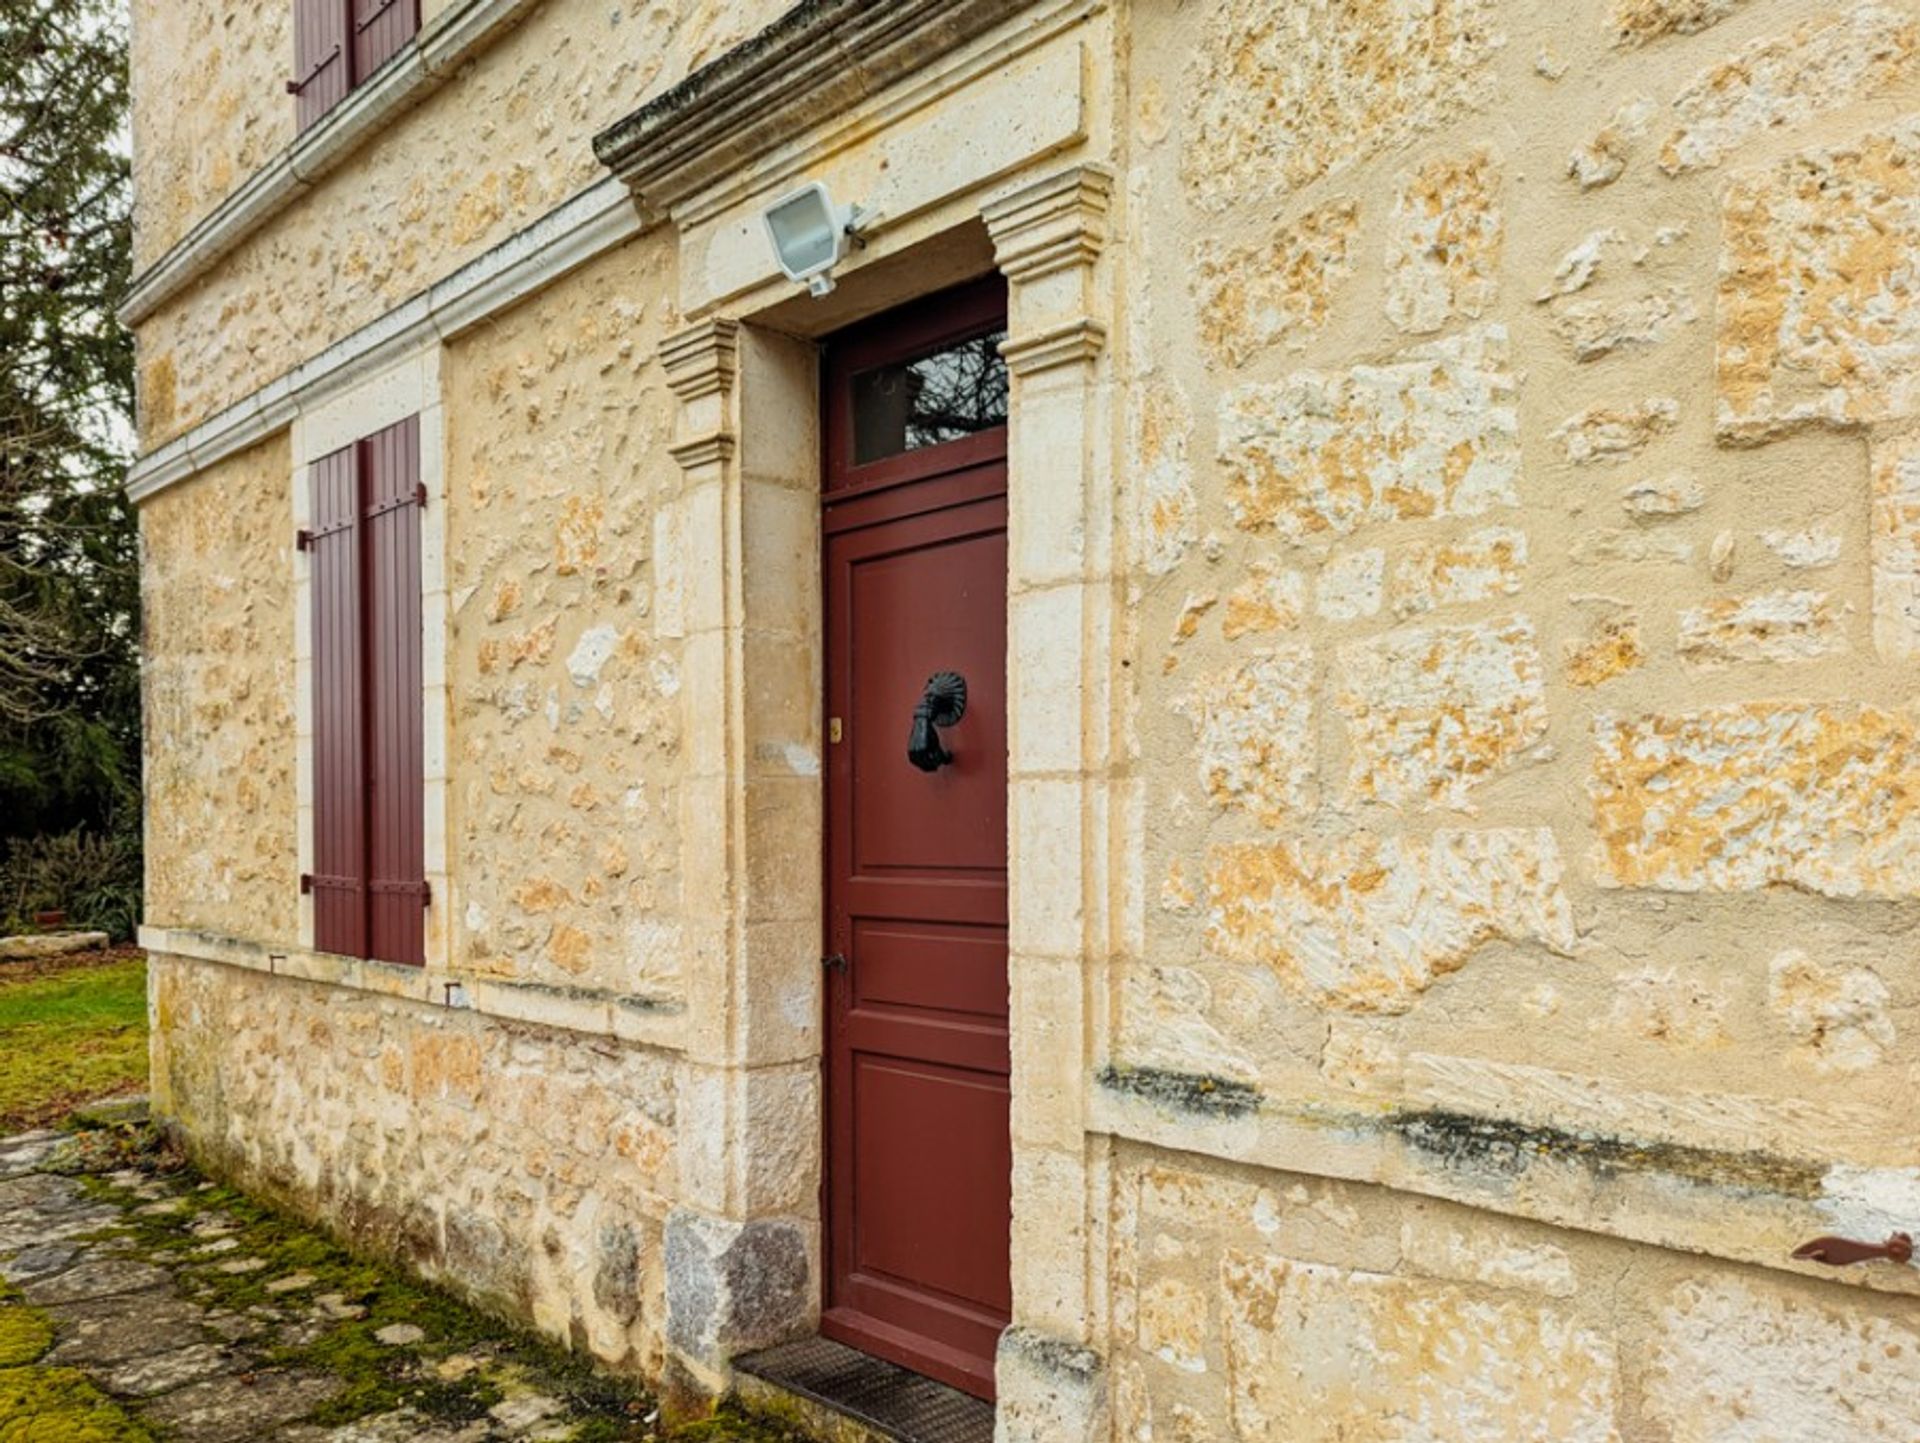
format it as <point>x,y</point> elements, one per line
<point>1183,1091</point>
<point>1464,1142</point>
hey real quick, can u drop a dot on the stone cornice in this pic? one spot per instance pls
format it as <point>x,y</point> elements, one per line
<point>817,61</point>
<point>398,85</point>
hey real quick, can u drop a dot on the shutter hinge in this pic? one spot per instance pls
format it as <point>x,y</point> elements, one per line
<point>420,495</point>
<point>303,540</point>
<point>306,884</point>
<point>426,895</point>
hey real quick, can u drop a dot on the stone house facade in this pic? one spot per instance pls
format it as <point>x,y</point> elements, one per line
<point>1447,475</point>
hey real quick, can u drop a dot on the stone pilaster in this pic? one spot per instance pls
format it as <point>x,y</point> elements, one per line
<point>743,1241</point>
<point>1049,240</point>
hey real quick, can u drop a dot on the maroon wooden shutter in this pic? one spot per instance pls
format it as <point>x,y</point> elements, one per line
<point>396,774</point>
<point>322,57</point>
<point>338,880</point>
<point>380,28</point>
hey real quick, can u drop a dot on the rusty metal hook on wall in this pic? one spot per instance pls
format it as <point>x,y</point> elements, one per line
<point>1844,1252</point>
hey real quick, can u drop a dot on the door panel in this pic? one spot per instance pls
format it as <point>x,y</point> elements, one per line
<point>919,1161</point>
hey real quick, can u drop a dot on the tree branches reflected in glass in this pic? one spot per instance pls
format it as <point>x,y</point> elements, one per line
<point>943,396</point>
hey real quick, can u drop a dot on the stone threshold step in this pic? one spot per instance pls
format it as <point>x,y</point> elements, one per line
<point>845,1396</point>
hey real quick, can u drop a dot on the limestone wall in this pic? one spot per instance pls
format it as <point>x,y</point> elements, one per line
<point>1269,1307</point>
<point>1521,709</point>
<point>210,107</point>
<point>566,709</point>
<point>217,588</point>
<point>512,1162</point>
<point>500,144</point>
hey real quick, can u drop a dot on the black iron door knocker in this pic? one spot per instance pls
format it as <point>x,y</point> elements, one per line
<point>942,704</point>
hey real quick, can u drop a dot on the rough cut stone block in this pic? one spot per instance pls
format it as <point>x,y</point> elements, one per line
<point>1370,78</point>
<point>1737,1362</point>
<point>1479,566</point>
<point>1819,300</point>
<point>1278,293</point>
<point>1443,242</point>
<point>1321,454</point>
<point>1432,711</point>
<point>1254,725</point>
<point>1775,626</point>
<point>1824,796</point>
<point>1367,923</point>
<point>1828,62</point>
<point>50,944</point>
<point>1615,433</point>
<point>1320,1354</point>
<point>733,1286</point>
<point>1593,329</point>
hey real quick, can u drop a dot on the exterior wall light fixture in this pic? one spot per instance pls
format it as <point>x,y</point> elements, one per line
<point>811,235</point>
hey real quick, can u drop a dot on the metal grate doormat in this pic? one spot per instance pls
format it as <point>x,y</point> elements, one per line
<point>887,1398</point>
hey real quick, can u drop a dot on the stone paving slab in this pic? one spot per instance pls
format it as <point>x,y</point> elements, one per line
<point>204,1318</point>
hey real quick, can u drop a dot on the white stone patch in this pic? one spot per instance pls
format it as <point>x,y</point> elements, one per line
<point>1349,586</point>
<point>1321,454</point>
<point>1166,1022</point>
<point>1809,550</point>
<point>1774,626</point>
<point>1479,1253</point>
<point>1603,159</point>
<point>1653,499</point>
<point>1870,1202</point>
<point>666,676</point>
<point>1578,266</point>
<point>1659,1005</point>
<point>1605,433</point>
<point>1253,725</point>
<point>1432,712</point>
<point>1838,1016</point>
<point>1736,1362</point>
<point>1443,242</point>
<point>1598,328</point>
<point>1479,566</point>
<point>591,653</point>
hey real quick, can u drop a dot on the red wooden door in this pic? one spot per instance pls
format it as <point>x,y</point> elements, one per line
<point>919,1162</point>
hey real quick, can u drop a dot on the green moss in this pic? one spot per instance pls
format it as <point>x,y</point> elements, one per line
<point>59,1405</point>
<point>732,1424</point>
<point>25,1333</point>
<point>70,1037</point>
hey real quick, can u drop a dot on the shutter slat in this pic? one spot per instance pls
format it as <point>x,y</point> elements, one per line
<point>339,871</point>
<point>322,57</point>
<point>380,29</point>
<point>397,822</point>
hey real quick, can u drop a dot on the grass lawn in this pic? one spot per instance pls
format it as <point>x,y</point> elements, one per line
<point>70,1033</point>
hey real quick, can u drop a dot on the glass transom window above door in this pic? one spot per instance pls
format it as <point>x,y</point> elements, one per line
<point>945,394</point>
